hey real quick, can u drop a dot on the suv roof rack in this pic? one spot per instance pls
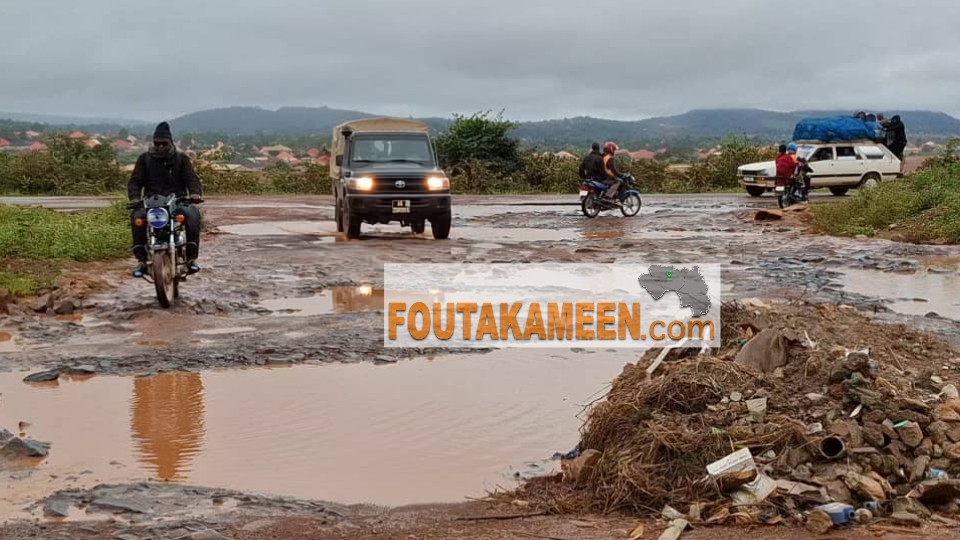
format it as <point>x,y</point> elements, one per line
<point>817,141</point>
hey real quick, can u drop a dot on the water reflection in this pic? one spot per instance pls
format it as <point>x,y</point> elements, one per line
<point>167,422</point>
<point>342,300</point>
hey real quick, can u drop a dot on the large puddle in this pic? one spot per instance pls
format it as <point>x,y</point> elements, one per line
<point>337,300</point>
<point>427,430</point>
<point>913,294</point>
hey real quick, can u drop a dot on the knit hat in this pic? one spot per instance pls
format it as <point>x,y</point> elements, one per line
<point>163,132</point>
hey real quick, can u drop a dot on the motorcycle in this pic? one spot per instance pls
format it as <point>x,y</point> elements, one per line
<point>592,201</point>
<point>166,245</point>
<point>792,190</point>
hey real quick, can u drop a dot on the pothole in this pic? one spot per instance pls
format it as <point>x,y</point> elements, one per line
<point>419,431</point>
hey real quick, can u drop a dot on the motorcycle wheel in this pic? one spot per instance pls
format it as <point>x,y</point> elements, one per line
<point>589,206</point>
<point>630,205</point>
<point>163,278</point>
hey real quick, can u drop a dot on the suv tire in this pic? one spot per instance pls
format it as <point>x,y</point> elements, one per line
<point>338,214</point>
<point>755,191</point>
<point>441,225</point>
<point>352,224</point>
<point>839,191</point>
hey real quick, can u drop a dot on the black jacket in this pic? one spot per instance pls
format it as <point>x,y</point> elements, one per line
<point>592,166</point>
<point>896,132</point>
<point>163,176</point>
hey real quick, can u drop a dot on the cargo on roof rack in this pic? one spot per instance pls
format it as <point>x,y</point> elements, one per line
<point>837,128</point>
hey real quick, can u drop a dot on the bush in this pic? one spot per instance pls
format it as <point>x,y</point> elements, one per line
<point>923,208</point>
<point>495,166</point>
<point>68,168</point>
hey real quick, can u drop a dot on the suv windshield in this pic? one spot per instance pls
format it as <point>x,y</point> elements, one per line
<point>805,151</point>
<point>392,149</point>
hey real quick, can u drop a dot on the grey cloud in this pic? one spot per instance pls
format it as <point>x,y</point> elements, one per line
<point>534,58</point>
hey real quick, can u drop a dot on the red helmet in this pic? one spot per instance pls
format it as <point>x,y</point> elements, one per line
<point>610,147</point>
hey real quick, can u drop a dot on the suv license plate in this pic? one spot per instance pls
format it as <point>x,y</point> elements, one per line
<point>401,207</point>
<point>583,193</point>
<point>749,179</point>
<point>779,188</point>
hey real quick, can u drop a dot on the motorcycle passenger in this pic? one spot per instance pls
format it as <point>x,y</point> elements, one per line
<point>612,177</point>
<point>163,170</point>
<point>592,165</point>
<point>786,163</point>
<point>800,165</point>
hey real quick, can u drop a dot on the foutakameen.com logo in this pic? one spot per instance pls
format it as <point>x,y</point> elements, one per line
<point>551,305</point>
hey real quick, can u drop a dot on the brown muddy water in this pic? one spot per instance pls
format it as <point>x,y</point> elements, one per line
<point>426,430</point>
<point>334,300</point>
<point>935,290</point>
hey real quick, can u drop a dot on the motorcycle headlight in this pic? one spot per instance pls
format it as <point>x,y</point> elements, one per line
<point>157,217</point>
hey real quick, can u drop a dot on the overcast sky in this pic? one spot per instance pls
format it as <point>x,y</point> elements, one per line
<point>622,59</point>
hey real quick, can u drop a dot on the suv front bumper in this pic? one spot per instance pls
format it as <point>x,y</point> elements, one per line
<point>382,205</point>
<point>756,181</point>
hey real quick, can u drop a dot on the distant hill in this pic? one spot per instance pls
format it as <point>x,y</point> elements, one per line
<point>58,120</point>
<point>696,125</point>
<point>692,127</point>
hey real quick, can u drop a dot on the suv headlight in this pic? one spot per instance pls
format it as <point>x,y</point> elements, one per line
<point>363,183</point>
<point>436,183</point>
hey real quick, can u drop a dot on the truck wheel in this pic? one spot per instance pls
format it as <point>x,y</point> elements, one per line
<point>441,225</point>
<point>419,226</point>
<point>755,191</point>
<point>338,215</point>
<point>352,224</point>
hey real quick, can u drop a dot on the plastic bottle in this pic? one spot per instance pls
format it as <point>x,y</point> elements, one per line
<point>840,513</point>
<point>937,474</point>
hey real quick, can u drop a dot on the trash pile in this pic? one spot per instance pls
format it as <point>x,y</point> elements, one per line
<point>807,414</point>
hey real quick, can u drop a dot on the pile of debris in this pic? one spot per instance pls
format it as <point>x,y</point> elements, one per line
<point>783,423</point>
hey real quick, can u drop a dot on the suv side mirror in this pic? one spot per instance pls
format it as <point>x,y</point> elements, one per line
<point>339,161</point>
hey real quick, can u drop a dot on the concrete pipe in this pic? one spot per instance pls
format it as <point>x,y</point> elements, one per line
<point>833,447</point>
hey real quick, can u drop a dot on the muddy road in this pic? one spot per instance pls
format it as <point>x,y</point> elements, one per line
<point>270,376</point>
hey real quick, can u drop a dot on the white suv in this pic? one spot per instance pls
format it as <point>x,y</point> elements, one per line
<point>838,166</point>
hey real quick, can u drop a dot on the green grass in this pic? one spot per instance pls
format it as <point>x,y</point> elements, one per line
<point>34,242</point>
<point>922,208</point>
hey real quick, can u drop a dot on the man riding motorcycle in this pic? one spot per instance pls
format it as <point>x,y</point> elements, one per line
<point>163,170</point>
<point>612,176</point>
<point>787,165</point>
<point>592,165</point>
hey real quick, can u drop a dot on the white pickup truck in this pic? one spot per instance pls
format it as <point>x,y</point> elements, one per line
<point>838,166</point>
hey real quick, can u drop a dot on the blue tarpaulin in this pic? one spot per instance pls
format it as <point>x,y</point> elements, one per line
<point>837,128</point>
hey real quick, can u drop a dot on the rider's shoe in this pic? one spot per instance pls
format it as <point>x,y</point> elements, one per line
<point>192,267</point>
<point>140,270</point>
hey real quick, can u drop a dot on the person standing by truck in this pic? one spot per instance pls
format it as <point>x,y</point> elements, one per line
<point>896,136</point>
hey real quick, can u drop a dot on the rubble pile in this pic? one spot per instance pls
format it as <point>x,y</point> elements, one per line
<point>807,414</point>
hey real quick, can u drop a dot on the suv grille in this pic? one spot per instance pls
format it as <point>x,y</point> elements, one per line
<point>409,185</point>
<point>753,173</point>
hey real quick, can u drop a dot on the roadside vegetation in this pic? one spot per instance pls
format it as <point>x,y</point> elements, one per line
<point>479,153</point>
<point>922,208</point>
<point>35,242</point>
